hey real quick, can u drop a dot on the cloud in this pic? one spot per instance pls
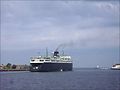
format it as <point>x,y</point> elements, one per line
<point>29,25</point>
<point>89,28</point>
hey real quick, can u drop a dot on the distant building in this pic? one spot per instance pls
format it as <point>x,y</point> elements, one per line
<point>17,67</point>
<point>22,67</point>
<point>2,66</point>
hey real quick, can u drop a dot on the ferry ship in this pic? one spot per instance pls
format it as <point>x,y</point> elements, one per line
<point>116,67</point>
<point>53,63</point>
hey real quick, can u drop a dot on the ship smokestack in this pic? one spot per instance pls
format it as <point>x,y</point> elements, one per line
<point>56,53</point>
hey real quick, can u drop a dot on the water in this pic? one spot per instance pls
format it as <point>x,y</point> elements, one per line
<point>79,79</point>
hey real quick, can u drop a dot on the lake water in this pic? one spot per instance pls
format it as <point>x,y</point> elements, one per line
<point>79,79</point>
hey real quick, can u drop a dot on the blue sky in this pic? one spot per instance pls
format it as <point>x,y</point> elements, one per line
<point>88,29</point>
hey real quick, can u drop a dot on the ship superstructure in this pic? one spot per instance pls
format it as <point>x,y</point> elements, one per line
<point>116,67</point>
<point>47,63</point>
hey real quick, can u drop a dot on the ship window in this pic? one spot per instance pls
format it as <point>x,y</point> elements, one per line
<point>47,60</point>
<point>66,59</point>
<point>47,57</point>
<point>32,60</point>
<point>52,60</point>
<point>41,60</point>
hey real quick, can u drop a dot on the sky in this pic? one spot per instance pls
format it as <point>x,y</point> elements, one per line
<point>87,30</point>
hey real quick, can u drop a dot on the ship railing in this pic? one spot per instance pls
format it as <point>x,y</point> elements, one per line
<point>42,60</point>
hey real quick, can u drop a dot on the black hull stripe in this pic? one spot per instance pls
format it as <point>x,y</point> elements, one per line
<point>48,67</point>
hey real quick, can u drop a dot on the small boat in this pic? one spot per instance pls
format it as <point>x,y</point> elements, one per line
<point>116,67</point>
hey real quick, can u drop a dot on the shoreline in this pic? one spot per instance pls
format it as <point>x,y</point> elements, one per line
<point>11,70</point>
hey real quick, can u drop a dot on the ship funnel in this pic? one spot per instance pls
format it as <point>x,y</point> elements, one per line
<point>56,53</point>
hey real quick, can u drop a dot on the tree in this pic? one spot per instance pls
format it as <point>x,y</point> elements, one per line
<point>13,66</point>
<point>8,65</point>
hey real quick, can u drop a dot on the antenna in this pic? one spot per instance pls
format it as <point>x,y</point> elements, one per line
<point>46,52</point>
<point>58,47</point>
<point>62,52</point>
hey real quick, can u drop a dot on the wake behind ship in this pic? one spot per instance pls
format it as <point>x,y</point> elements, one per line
<point>52,63</point>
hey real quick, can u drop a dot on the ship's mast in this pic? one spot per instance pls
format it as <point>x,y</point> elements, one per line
<point>46,52</point>
<point>58,47</point>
